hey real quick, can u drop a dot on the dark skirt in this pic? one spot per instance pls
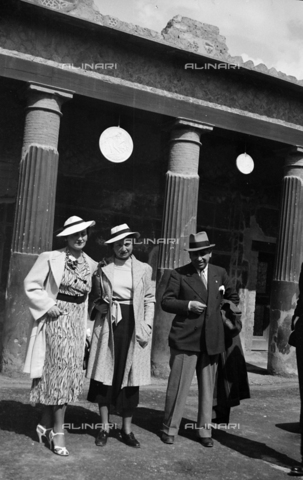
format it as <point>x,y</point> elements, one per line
<point>126,398</point>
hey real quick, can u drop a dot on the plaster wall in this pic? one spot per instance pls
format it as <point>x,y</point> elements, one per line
<point>77,49</point>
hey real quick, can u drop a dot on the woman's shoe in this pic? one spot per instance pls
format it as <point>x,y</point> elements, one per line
<point>297,471</point>
<point>101,439</point>
<point>62,451</point>
<point>43,432</point>
<point>129,439</point>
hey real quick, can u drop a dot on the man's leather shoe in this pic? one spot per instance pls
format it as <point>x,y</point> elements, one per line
<point>129,439</point>
<point>297,471</point>
<point>101,439</point>
<point>169,439</point>
<point>206,441</point>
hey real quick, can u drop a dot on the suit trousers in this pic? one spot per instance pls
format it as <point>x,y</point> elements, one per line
<point>183,365</point>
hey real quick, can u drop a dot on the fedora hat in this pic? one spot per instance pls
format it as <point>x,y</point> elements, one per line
<point>74,224</point>
<point>198,241</point>
<point>121,231</point>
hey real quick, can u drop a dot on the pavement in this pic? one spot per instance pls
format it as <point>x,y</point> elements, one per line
<point>261,442</point>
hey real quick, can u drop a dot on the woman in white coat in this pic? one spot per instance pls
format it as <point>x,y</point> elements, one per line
<point>57,288</point>
<point>119,359</point>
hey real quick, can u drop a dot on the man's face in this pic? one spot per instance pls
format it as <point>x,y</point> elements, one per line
<point>200,258</point>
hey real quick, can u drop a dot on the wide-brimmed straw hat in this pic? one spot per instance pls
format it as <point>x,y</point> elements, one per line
<point>121,231</point>
<point>74,224</point>
<point>198,241</point>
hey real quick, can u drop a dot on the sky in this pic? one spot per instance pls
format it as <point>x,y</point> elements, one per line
<point>264,31</point>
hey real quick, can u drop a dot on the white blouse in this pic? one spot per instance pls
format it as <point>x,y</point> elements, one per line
<point>123,281</point>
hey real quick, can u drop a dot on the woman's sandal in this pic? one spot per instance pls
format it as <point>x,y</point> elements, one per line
<point>62,451</point>
<point>43,432</point>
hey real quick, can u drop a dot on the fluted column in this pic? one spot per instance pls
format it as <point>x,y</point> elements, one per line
<point>179,220</point>
<point>281,357</point>
<point>35,208</point>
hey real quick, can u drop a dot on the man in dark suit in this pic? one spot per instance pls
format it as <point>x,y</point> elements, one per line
<point>194,293</point>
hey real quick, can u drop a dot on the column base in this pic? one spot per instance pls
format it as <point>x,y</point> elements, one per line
<point>281,356</point>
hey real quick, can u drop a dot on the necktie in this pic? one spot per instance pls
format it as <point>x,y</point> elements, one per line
<point>202,275</point>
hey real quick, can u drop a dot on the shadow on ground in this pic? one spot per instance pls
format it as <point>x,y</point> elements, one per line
<point>293,427</point>
<point>22,419</point>
<point>255,369</point>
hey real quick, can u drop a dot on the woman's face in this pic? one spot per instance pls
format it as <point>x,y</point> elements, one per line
<point>123,248</point>
<point>77,241</point>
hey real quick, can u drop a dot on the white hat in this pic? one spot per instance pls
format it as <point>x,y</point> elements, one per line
<point>121,231</point>
<point>73,225</point>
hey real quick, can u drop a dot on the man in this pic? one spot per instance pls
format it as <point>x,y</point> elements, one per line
<point>194,293</point>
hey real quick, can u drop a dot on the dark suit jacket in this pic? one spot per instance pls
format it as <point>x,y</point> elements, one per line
<point>191,331</point>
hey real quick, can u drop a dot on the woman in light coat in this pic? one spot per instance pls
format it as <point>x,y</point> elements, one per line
<point>57,288</point>
<point>121,342</point>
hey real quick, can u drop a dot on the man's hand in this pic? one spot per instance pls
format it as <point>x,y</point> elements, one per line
<point>102,308</point>
<point>54,312</point>
<point>197,307</point>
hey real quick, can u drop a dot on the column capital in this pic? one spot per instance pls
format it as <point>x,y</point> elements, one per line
<point>48,90</point>
<point>185,122</point>
<point>43,113</point>
<point>181,122</point>
<point>296,149</point>
<point>294,158</point>
<point>44,97</point>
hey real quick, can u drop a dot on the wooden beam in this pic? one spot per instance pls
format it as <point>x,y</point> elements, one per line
<point>121,92</point>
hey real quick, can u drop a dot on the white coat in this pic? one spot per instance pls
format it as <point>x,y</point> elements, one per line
<point>101,359</point>
<point>41,287</point>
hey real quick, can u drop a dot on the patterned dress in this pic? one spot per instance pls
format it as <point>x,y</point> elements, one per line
<point>63,373</point>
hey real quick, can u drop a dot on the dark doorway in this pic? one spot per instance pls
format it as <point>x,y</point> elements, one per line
<point>265,267</point>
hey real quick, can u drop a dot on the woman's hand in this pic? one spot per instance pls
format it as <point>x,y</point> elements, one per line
<point>54,312</point>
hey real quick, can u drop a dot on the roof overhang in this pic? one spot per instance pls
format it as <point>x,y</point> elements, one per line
<point>134,95</point>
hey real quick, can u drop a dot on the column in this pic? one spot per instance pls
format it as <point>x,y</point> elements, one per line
<point>35,208</point>
<point>179,220</point>
<point>281,357</point>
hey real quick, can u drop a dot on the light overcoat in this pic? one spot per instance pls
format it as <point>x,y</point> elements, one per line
<point>41,287</point>
<point>101,359</point>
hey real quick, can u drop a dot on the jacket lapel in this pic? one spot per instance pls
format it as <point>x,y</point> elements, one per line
<point>138,271</point>
<point>213,282</point>
<point>57,263</point>
<point>194,281</point>
<point>109,271</point>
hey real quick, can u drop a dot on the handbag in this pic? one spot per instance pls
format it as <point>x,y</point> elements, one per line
<point>86,354</point>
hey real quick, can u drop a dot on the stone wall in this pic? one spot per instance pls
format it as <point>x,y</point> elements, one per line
<point>70,47</point>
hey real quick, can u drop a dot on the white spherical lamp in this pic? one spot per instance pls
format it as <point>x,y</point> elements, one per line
<point>245,163</point>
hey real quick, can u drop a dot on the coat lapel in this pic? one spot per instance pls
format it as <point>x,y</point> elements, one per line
<point>138,271</point>
<point>57,263</point>
<point>194,281</point>
<point>213,282</point>
<point>109,270</point>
